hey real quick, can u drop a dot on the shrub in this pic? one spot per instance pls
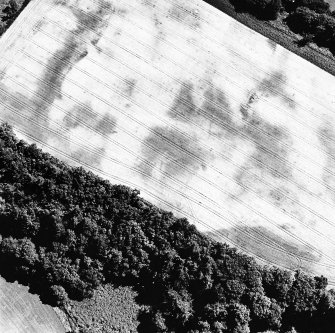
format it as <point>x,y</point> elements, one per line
<point>58,295</point>
<point>319,6</point>
<point>303,21</point>
<point>263,9</point>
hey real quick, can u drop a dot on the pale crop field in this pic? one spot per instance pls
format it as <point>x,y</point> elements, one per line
<point>21,311</point>
<point>204,116</point>
<point>332,4</point>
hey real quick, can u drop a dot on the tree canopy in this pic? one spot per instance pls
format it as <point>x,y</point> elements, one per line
<point>65,231</point>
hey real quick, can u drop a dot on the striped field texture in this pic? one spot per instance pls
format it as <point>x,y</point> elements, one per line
<point>204,116</point>
<point>21,311</point>
<point>332,4</point>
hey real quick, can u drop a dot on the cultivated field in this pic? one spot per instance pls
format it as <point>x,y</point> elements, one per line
<point>332,4</point>
<point>206,117</point>
<point>21,311</point>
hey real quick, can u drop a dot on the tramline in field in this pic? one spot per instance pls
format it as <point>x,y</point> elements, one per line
<point>204,116</point>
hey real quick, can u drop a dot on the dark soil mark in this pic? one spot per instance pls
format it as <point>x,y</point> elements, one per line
<point>78,115</point>
<point>269,248</point>
<point>51,82</point>
<point>274,85</point>
<point>169,156</point>
<point>279,197</point>
<point>106,125</point>
<point>269,156</point>
<point>87,157</point>
<point>95,42</point>
<point>246,109</point>
<point>63,60</point>
<point>103,125</point>
<point>184,108</point>
<point>95,19</point>
<point>159,35</point>
<point>38,25</point>
<point>86,21</point>
<point>149,3</point>
<point>215,108</point>
<point>326,136</point>
<point>81,115</point>
<point>130,85</point>
<point>185,15</point>
<point>272,44</point>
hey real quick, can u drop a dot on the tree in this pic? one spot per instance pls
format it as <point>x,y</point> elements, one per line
<point>151,321</point>
<point>321,282</point>
<point>319,6</point>
<point>58,295</point>
<point>203,327</point>
<point>265,313</point>
<point>180,305</point>
<point>303,299</point>
<point>159,322</point>
<point>325,31</point>
<point>234,290</point>
<point>10,11</point>
<point>219,327</point>
<point>302,295</point>
<point>18,259</point>
<point>273,8</point>
<point>65,241</point>
<point>291,330</point>
<point>216,313</point>
<point>303,21</point>
<point>277,283</point>
<point>263,9</point>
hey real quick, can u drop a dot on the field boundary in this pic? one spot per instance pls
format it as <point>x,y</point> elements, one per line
<point>278,32</point>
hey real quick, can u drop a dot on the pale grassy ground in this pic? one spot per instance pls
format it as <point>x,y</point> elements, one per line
<point>110,310</point>
<point>23,312</point>
<point>206,117</point>
<point>332,4</point>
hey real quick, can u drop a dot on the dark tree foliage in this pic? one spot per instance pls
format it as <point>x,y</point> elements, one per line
<point>269,9</point>
<point>10,12</point>
<point>319,6</point>
<point>310,18</point>
<point>65,231</point>
<point>304,21</point>
<point>262,9</point>
<point>319,28</point>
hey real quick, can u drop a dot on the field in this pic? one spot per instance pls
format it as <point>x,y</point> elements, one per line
<point>21,311</point>
<point>332,4</point>
<point>3,15</point>
<point>206,117</point>
<point>278,31</point>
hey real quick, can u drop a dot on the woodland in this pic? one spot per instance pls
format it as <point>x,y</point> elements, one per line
<point>65,231</point>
